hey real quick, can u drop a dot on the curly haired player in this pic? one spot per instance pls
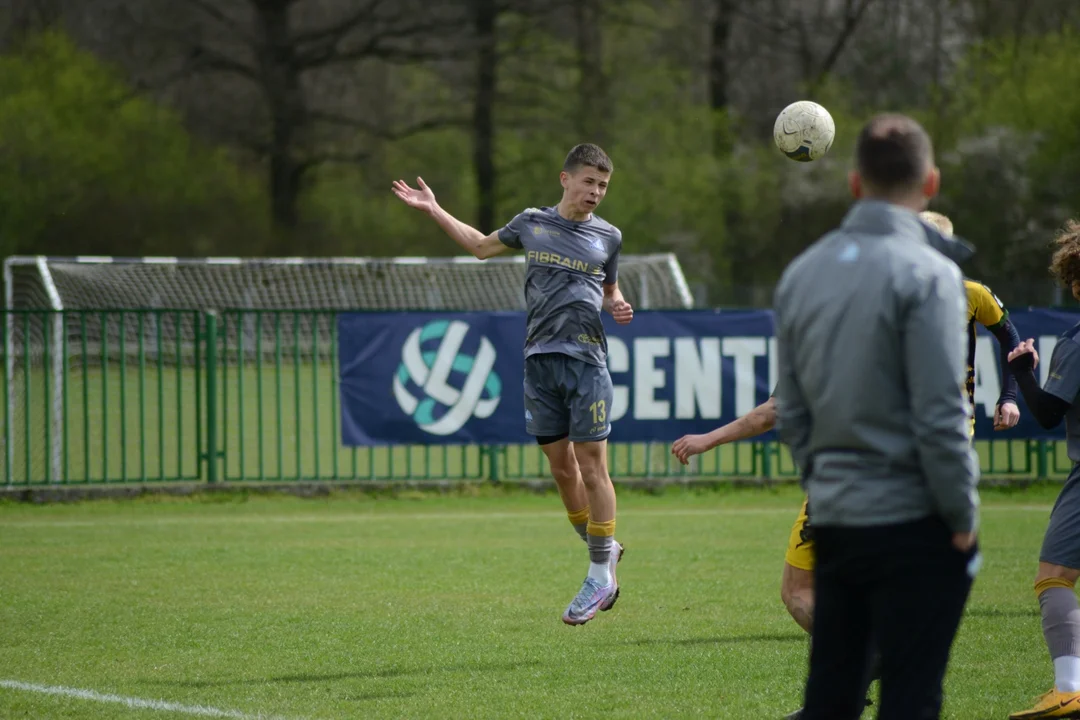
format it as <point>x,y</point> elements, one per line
<point>1059,559</point>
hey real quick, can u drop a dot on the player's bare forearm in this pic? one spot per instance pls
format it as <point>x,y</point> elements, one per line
<point>612,295</point>
<point>469,238</point>
<point>616,305</point>
<point>758,421</point>
<point>801,609</point>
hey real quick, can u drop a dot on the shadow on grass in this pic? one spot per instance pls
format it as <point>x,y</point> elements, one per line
<point>991,612</point>
<point>370,674</point>
<point>719,640</point>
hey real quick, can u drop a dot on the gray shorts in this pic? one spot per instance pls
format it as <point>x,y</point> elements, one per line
<point>1061,544</point>
<point>567,396</point>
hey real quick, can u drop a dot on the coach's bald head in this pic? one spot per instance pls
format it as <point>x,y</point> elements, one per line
<point>894,161</point>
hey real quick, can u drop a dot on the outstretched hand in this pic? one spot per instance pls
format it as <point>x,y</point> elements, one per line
<point>689,445</point>
<point>422,199</point>
<point>1027,346</point>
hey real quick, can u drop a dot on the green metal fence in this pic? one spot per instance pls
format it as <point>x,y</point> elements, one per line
<point>145,396</point>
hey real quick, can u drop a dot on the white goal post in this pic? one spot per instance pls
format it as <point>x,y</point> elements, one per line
<point>399,283</point>
<point>44,283</point>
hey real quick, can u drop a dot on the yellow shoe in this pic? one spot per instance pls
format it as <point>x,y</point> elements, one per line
<point>1053,704</point>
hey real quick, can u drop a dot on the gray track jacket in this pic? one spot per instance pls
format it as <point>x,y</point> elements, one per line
<point>870,397</point>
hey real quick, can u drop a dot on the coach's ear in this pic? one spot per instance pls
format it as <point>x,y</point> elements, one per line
<point>933,183</point>
<point>855,183</point>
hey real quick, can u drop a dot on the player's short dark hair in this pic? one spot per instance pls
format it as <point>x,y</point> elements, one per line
<point>587,155</point>
<point>893,154</point>
<point>1065,264</point>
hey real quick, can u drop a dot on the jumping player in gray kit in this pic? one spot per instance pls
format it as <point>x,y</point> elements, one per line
<point>572,261</point>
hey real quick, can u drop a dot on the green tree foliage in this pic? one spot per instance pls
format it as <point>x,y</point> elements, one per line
<point>1013,173</point>
<point>86,166</point>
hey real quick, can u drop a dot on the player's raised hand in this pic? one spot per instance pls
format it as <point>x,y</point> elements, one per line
<point>622,312</point>
<point>422,199</point>
<point>1006,416</point>
<point>689,445</point>
<point>1027,346</point>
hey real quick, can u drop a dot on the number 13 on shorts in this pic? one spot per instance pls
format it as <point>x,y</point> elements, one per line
<point>599,412</point>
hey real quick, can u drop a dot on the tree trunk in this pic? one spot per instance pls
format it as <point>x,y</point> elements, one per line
<point>718,73</point>
<point>280,79</point>
<point>484,112</point>
<point>592,82</point>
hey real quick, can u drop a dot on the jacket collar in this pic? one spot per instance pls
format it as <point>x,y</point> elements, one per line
<point>876,217</point>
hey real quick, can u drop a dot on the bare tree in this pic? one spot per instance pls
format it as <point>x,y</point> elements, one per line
<point>593,107</point>
<point>485,17</point>
<point>24,17</point>
<point>816,70</point>
<point>284,78</point>
<point>719,50</point>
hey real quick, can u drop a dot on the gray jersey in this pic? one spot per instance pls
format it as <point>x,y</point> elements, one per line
<point>568,265</point>
<point>1063,382</point>
<point>871,397</point>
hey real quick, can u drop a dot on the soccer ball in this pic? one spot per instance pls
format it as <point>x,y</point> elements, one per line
<point>804,131</point>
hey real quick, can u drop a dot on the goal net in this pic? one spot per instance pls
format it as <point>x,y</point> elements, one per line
<point>147,318</point>
<point>647,281</point>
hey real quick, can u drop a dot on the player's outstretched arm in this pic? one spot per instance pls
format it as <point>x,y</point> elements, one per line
<point>472,240</point>
<point>758,421</point>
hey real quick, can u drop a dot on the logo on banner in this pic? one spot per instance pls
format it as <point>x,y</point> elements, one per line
<point>441,387</point>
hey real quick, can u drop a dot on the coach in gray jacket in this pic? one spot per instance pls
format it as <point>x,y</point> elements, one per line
<point>871,401</point>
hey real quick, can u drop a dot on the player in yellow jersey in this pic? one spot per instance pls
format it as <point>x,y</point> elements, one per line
<point>797,581</point>
<point>984,308</point>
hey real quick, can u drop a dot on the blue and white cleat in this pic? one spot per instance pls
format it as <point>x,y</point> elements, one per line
<point>589,599</point>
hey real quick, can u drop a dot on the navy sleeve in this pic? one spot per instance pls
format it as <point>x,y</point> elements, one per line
<point>1008,339</point>
<point>1047,408</point>
<point>611,268</point>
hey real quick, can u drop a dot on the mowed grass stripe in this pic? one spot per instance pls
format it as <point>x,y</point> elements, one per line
<point>333,516</point>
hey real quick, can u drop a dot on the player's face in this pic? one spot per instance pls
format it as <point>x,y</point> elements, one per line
<point>585,188</point>
<point>1076,289</point>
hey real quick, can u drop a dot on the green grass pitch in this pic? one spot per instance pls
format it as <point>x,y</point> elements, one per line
<point>423,606</point>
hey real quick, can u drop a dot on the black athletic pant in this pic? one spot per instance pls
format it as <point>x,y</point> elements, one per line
<point>906,586</point>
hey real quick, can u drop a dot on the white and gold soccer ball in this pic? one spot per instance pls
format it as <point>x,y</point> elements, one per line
<point>804,131</point>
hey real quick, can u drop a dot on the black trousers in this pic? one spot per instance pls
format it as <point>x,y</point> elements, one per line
<point>905,587</point>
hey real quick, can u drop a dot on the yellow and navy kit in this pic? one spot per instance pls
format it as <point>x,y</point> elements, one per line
<point>984,308</point>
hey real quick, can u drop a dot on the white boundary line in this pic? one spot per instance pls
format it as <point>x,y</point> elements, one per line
<point>131,702</point>
<point>360,517</point>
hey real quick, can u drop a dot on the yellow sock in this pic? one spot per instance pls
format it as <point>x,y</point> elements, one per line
<point>601,529</point>
<point>579,517</point>
<point>1047,583</point>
